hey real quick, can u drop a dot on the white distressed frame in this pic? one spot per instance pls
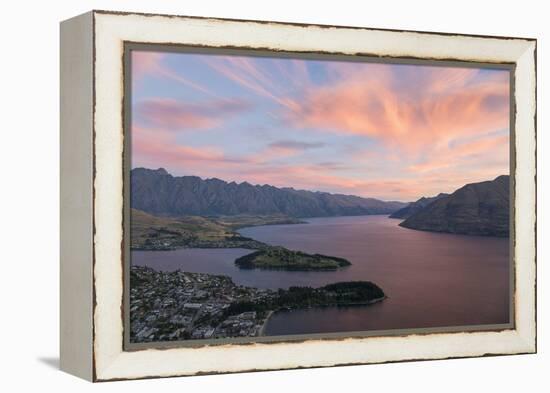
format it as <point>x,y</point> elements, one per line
<point>111,30</point>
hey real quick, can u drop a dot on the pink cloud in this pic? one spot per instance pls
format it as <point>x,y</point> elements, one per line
<point>158,148</point>
<point>471,153</point>
<point>313,178</point>
<point>181,115</point>
<point>282,149</point>
<point>146,63</point>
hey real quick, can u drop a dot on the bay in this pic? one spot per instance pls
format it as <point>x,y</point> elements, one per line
<point>431,279</point>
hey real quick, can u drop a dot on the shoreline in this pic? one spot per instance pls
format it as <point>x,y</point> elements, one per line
<point>261,331</point>
<point>237,230</point>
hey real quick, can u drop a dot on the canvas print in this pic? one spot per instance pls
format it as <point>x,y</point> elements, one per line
<point>279,196</point>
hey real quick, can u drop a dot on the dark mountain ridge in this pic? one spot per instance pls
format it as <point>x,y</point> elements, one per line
<point>159,193</point>
<point>416,206</point>
<point>475,209</point>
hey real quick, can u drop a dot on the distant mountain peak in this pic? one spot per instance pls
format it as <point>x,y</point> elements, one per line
<point>416,206</point>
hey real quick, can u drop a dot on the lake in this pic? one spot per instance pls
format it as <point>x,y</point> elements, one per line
<point>431,279</point>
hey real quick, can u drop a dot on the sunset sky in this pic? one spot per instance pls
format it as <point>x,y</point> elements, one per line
<point>394,132</point>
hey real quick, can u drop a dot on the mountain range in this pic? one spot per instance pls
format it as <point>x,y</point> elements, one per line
<point>475,209</point>
<point>159,193</point>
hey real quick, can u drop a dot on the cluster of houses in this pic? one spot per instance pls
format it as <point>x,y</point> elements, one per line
<point>167,306</point>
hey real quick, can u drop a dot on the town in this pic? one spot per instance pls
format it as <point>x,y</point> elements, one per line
<point>169,306</point>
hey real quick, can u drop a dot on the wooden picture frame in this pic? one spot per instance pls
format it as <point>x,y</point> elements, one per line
<point>94,191</point>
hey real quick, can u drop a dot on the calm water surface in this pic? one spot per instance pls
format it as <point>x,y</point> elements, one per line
<point>431,279</point>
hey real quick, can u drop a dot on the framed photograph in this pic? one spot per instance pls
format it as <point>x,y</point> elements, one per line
<point>246,195</point>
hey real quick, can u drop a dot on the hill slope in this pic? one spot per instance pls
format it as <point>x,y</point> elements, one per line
<point>475,209</point>
<point>415,207</point>
<point>150,232</point>
<point>159,193</point>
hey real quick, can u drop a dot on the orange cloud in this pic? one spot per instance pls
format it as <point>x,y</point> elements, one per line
<point>372,103</point>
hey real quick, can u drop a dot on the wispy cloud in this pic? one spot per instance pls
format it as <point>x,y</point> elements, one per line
<point>150,64</point>
<point>374,104</point>
<point>181,115</point>
<point>246,73</point>
<point>146,63</point>
<point>472,154</point>
<point>159,148</point>
<point>296,145</point>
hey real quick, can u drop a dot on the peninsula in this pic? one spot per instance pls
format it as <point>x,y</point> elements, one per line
<point>153,233</point>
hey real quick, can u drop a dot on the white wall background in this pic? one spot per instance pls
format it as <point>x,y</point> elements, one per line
<point>29,195</point>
